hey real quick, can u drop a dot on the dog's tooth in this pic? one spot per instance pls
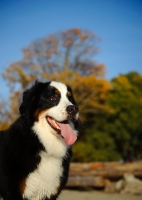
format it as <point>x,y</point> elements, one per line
<point>54,123</point>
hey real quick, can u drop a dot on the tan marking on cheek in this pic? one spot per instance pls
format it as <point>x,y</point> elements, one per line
<point>38,114</point>
<point>22,186</point>
<point>42,113</point>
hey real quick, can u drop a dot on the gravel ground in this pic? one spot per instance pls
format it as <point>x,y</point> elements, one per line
<point>95,195</point>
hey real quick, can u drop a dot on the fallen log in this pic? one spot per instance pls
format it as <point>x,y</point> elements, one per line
<point>78,181</point>
<point>98,174</point>
<point>107,170</point>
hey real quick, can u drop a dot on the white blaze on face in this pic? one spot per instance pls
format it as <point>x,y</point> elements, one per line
<point>59,112</point>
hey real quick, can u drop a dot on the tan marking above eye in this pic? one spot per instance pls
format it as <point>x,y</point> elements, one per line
<point>57,91</point>
<point>69,94</point>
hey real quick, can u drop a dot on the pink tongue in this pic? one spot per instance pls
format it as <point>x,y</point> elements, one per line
<point>67,133</point>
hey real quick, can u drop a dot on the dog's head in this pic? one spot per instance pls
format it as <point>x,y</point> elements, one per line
<point>51,111</point>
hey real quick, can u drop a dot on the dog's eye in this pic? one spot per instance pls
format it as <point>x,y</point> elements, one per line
<point>53,98</point>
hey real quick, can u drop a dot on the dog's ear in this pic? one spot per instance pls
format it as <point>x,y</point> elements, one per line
<point>28,97</point>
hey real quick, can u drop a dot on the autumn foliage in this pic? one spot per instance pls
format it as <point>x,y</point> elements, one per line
<point>66,57</point>
<point>110,111</point>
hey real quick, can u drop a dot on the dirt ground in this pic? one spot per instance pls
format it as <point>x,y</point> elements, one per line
<point>95,195</point>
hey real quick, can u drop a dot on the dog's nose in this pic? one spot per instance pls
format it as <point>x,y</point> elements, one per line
<point>72,110</point>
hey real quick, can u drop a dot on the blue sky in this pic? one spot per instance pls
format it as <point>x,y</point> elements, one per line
<point>117,22</point>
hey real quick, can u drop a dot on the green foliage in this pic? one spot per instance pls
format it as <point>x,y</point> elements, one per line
<point>98,146</point>
<point>116,134</point>
<point>125,121</point>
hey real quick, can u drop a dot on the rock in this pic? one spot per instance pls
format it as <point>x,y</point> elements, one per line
<point>119,185</point>
<point>129,185</point>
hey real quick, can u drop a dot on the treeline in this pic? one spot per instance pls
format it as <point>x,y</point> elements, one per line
<point>110,111</point>
<point>117,133</point>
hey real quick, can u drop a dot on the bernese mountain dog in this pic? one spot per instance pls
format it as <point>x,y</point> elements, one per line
<point>35,151</point>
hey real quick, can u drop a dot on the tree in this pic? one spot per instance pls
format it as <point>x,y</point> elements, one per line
<point>67,56</point>
<point>116,134</point>
<point>97,146</point>
<point>124,123</point>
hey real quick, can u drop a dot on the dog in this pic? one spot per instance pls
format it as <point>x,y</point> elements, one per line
<point>35,151</point>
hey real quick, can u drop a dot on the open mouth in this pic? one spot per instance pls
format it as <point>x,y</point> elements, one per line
<point>54,124</point>
<point>64,129</point>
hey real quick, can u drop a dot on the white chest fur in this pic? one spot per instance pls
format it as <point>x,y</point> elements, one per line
<point>45,180</point>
